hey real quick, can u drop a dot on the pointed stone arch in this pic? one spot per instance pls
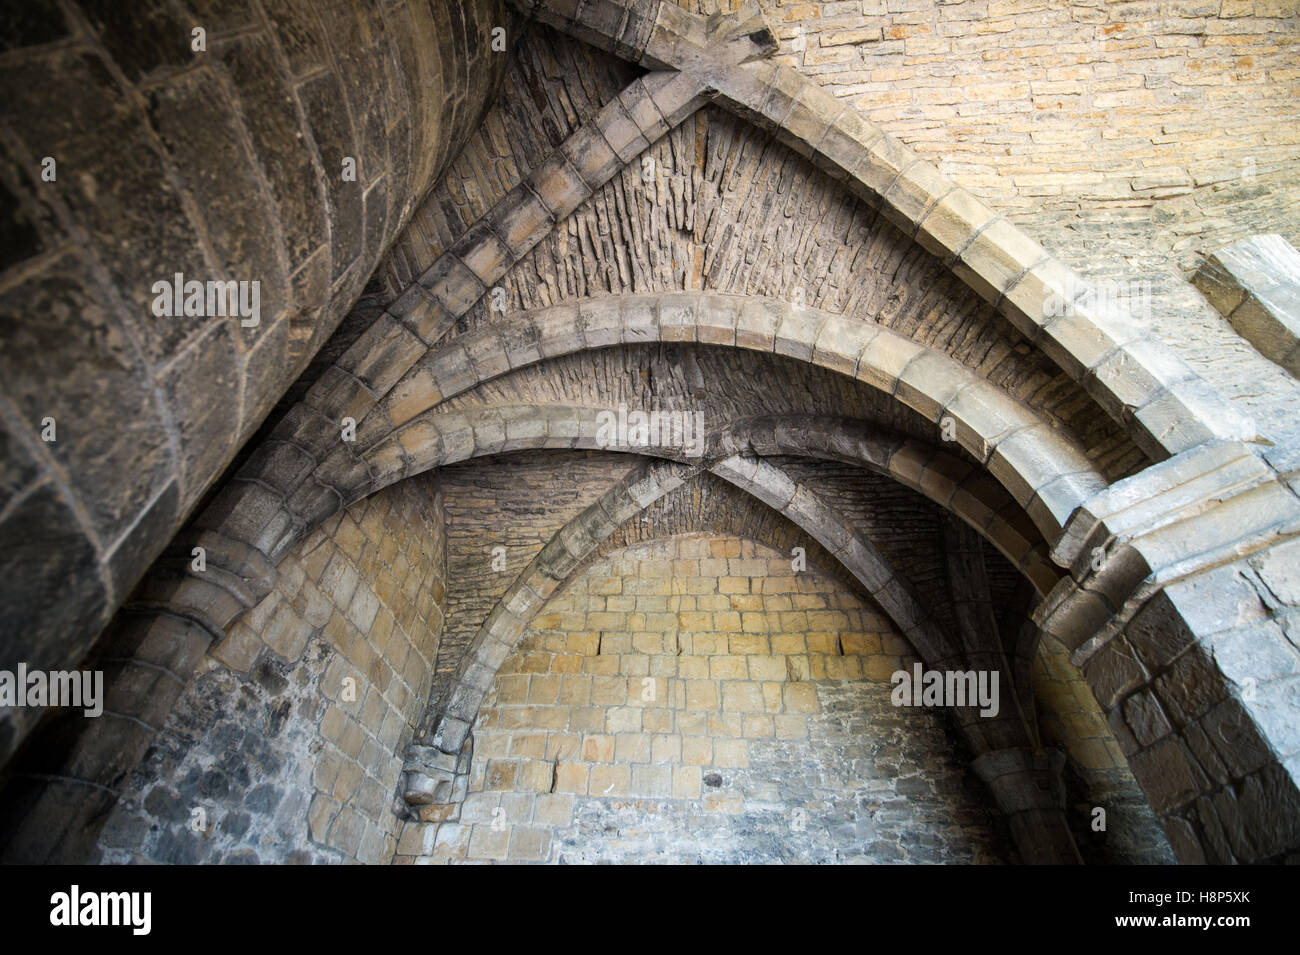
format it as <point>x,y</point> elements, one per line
<point>1044,469</point>
<point>1017,773</point>
<point>942,477</point>
<point>1138,380</point>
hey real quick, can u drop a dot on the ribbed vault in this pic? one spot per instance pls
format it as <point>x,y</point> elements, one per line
<point>881,367</point>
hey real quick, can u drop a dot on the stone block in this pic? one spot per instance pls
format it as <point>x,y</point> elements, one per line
<point>885,358</point>
<point>1255,283</point>
<point>880,165</point>
<point>916,191</point>
<point>484,252</point>
<point>558,185</point>
<point>996,258</point>
<point>952,223</point>
<point>521,219</point>
<point>455,287</point>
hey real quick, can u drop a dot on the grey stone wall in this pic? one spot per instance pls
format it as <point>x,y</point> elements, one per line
<point>837,247</point>
<point>222,163</point>
<point>876,784</point>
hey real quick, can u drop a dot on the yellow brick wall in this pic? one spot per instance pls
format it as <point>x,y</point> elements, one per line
<point>680,697</point>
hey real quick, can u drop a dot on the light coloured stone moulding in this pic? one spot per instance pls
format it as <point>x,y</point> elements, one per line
<point>1255,284</point>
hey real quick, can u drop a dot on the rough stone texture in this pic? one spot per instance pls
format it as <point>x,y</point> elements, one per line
<point>224,164</point>
<point>572,80</point>
<point>502,511</point>
<point>1255,284</point>
<point>842,312</point>
<point>1158,620</point>
<point>1098,774</point>
<point>431,788</point>
<point>1131,140</point>
<point>295,771</point>
<point>994,261</point>
<point>703,221</point>
<point>771,737</point>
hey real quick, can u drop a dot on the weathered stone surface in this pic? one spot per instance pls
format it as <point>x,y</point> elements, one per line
<point>826,307</point>
<point>219,166</point>
<point>1255,284</point>
<point>310,761</point>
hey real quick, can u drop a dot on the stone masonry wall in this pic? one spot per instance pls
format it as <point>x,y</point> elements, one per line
<point>1097,774</point>
<point>1130,137</point>
<point>285,763</point>
<point>493,503</point>
<point>133,148</point>
<point>769,737</point>
<point>1061,104</point>
<point>552,85</point>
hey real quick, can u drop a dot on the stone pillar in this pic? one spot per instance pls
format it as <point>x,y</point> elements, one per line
<point>278,145</point>
<point>1183,612</point>
<point>1029,787</point>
